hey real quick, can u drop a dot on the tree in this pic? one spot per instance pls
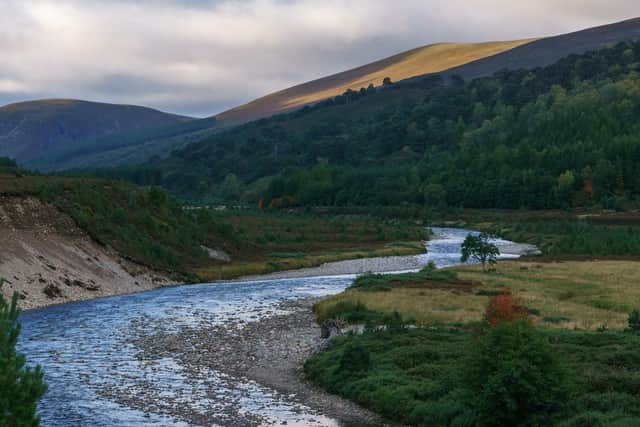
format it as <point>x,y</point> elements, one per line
<point>20,387</point>
<point>479,247</point>
<point>512,377</point>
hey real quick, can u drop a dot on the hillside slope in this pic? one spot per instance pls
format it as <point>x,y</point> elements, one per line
<point>546,51</point>
<point>29,131</point>
<point>423,60</point>
<point>48,259</point>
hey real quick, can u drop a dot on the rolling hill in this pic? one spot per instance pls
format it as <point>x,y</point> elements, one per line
<point>35,130</point>
<point>64,134</point>
<point>423,60</point>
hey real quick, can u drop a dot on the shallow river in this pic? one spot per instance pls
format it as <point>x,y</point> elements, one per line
<point>85,349</point>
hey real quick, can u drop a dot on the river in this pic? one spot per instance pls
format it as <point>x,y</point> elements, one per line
<point>87,352</point>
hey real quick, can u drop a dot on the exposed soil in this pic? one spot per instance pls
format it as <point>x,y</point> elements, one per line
<point>48,259</point>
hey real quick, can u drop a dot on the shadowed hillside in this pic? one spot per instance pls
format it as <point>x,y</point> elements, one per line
<point>30,130</point>
<point>423,60</point>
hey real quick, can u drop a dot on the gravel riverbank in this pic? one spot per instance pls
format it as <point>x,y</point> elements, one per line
<point>270,352</point>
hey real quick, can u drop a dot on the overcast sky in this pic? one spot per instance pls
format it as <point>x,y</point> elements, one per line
<point>200,57</point>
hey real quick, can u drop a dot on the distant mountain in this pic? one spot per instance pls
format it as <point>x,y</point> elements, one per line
<point>423,60</point>
<point>33,131</point>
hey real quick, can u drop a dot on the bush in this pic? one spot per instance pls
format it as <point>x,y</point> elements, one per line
<point>504,308</point>
<point>355,359</point>
<point>513,378</point>
<point>634,321</point>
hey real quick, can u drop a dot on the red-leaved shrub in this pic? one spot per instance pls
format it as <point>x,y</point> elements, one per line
<point>504,308</point>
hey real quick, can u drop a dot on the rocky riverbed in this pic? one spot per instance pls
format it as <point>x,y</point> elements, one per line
<point>270,352</point>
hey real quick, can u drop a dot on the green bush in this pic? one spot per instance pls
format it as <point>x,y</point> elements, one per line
<point>634,321</point>
<point>355,359</point>
<point>513,377</point>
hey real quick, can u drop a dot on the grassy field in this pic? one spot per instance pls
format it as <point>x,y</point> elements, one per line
<point>271,241</point>
<point>570,294</point>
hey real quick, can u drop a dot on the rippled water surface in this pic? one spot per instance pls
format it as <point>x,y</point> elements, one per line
<point>86,353</point>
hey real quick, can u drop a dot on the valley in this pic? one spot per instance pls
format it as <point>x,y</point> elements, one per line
<point>449,236</point>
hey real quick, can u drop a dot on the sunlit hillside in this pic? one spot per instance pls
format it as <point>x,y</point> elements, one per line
<point>423,60</point>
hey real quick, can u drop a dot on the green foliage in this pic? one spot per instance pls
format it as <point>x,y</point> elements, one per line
<point>355,359</point>
<point>423,377</point>
<point>479,247</point>
<point>513,378</point>
<point>385,282</point>
<point>20,387</point>
<point>144,224</point>
<point>566,135</point>
<point>607,236</point>
<point>634,321</point>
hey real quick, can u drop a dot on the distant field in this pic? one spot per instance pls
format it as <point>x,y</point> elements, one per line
<point>572,294</point>
<point>420,61</point>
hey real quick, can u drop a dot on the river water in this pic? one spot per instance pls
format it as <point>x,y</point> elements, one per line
<point>86,351</point>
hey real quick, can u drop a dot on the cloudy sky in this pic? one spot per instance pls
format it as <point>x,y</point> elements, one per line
<point>200,57</point>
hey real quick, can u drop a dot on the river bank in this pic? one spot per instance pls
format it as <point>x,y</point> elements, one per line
<point>270,352</point>
<point>225,354</point>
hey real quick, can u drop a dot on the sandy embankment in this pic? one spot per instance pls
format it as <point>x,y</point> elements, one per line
<point>48,259</point>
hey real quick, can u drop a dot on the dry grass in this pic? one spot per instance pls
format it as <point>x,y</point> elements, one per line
<point>584,295</point>
<point>420,61</point>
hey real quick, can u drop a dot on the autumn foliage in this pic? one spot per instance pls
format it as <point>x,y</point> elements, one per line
<point>504,308</point>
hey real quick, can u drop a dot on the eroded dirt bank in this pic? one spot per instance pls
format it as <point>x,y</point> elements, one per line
<point>48,259</point>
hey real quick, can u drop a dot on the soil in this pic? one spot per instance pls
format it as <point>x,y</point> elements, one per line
<point>48,259</point>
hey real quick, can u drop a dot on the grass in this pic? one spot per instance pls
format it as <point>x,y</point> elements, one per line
<point>275,241</point>
<point>571,294</point>
<point>410,369</point>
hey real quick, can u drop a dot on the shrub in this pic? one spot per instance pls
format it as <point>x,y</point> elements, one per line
<point>355,359</point>
<point>634,321</point>
<point>504,308</point>
<point>513,378</point>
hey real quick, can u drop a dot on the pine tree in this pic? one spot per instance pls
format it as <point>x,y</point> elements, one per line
<point>20,387</point>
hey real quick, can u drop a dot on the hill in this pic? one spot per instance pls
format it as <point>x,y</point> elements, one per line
<point>423,60</point>
<point>79,135</point>
<point>34,131</point>
<point>563,135</point>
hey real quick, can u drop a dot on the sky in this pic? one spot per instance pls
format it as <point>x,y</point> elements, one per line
<point>201,57</point>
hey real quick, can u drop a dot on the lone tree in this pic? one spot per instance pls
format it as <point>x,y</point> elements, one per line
<point>479,247</point>
<point>20,387</point>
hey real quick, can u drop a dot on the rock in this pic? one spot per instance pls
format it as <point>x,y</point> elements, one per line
<point>52,291</point>
<point>330,328</point>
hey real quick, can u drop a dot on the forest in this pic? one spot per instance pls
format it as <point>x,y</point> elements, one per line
<point>555,137</point>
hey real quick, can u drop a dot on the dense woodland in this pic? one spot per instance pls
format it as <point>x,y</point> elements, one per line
<point>561,136</point>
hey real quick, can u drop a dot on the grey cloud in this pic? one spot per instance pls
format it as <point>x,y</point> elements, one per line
<point>199,57</point>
